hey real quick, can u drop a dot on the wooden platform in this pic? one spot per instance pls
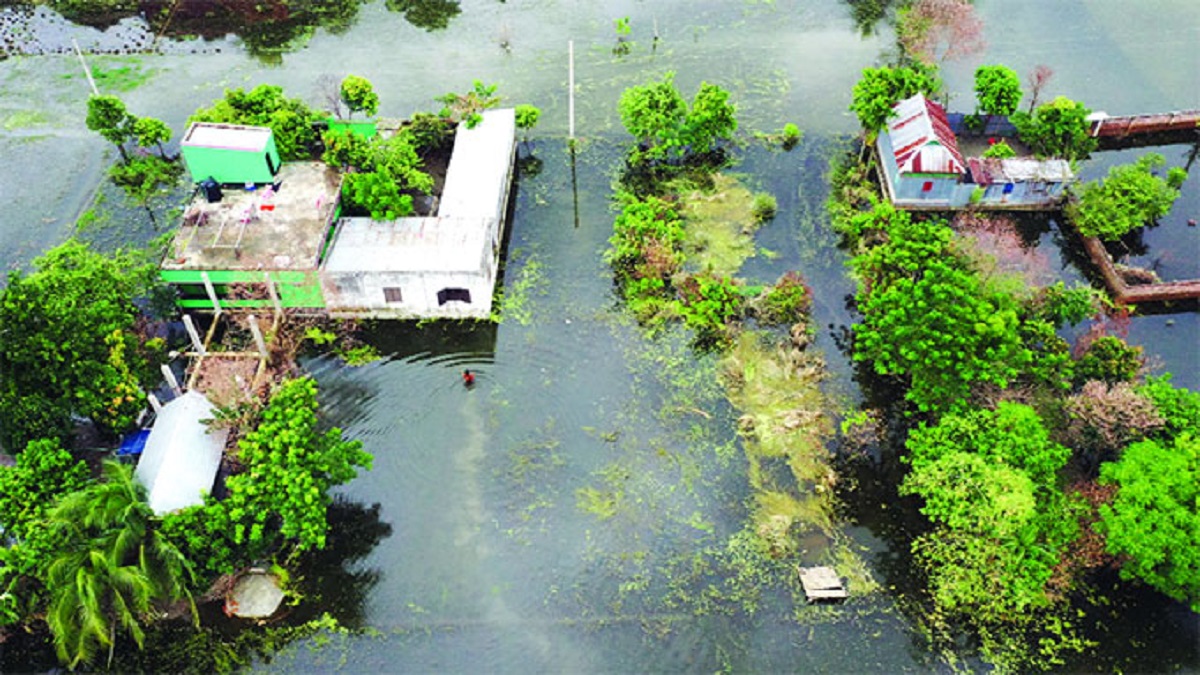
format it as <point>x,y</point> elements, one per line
<point>822,583</point>
<point>1128,125</point>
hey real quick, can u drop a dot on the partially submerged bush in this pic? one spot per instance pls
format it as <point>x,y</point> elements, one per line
<point>999,150</point>
<point>787,302</point>
<point>764,207</point>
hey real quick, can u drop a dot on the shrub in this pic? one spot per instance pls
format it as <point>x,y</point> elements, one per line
<point>999,150</point>
<point>1128,198</point>
<point>763,207</point>
<point>1108,359</point>
<point>1057,129</point>
<point>790,136</point>
<point>787,302</point>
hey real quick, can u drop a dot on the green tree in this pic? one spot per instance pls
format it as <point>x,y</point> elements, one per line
<point>359,96</point>
<point>989,480</point>
<point>289,119</point>
<point>469,107</point>
<point>527,117</point>
<point>114,568</point>
<point>108,117</point>
<point>1154,520</point>
<point>151,131</point>
<point>927,316</point>
<point>881,88</point>
<point>997,89</point>
<point>68,344</point>
<point>666,129</point>
<point>1057,129</point>
<point>44,472</point>
<point>1108,359</point>
<point>283,494</point>
<point>1179,407</point>
<point>1130,197</point>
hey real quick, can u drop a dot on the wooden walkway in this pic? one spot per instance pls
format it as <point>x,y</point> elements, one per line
<point>1129,125</point>
<point>1123,293</point>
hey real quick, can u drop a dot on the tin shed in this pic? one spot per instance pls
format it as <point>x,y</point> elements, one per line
<point>230,153</point>
<point>182,455</point>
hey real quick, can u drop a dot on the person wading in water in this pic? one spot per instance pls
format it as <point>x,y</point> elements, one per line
<point>468,379</point>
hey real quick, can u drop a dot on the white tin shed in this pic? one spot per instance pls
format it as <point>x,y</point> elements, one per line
<point>438,267</point>
<point>182,455</point>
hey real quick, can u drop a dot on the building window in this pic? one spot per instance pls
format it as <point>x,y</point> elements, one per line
<point>927,187</point>
<point>447,294</point>
<point>392,294</point>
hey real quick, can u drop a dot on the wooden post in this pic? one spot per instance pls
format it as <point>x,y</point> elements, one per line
<point>274,294</point>
<point>191,330</point>
<point>155,405</point>
<point>169,376</point>
<point>258,336</point>
<point>86,71</point>
<point>571,90</point>
<point>212,293</point>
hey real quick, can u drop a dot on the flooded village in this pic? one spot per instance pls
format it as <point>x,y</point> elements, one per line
<point>831,335</point>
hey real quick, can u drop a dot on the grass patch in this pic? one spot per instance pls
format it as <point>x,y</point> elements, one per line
<point>24,119</point>
<point>720,224</point>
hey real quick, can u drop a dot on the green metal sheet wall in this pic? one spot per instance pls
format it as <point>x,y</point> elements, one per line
<point>232,166</point>
<point>296,288</point>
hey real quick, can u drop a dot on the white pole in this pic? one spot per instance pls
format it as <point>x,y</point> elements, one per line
<point>169,376</point>
<point>86,71</point>
<point>155,405</point>
<point>212,292</point>
<point>274,294</point>
<point>571,90</point>
<point>191,329</point>
<point>258,336</point>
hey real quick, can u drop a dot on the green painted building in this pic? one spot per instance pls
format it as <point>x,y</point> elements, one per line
<point>230,154</point>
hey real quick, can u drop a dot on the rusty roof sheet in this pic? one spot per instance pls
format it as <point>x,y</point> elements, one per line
<point>922,140</point>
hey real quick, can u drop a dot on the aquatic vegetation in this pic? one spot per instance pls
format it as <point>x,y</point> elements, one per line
<point>718,228</point>
<point>1130,197</point>
<point>516,302</point>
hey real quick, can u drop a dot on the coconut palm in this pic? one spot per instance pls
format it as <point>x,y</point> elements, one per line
<point>114,568</point>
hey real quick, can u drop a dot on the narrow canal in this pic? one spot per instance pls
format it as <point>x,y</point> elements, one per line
<point>491,549</point>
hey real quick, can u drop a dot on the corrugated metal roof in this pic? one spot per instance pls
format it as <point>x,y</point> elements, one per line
<point>182,454</point>
<point>922,139</point>
<point>987,171</point>
<point>409,245</point>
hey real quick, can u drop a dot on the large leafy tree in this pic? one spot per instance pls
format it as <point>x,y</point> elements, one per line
<point>1057,129</point>
<point>1130,197</point>
<point>114,566</point>
<point>1154,521</point>
<point>108,117</point>
<point>265,105</point>
<point>664,126</point>
<point>43,473</point>
<point>881,88</point>
<point>281,498</point>
<point>997,89</point>
<point>67,345</point>
<point>988,479</point>
<point>927,316</point>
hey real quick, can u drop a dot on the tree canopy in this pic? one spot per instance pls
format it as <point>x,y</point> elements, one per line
<point>1154,519</point>
<point>68,344</point>
<point>667,129</point>
<point>997,89</point>
<point>359,96</point>
<point>1057,129</point>
<point>881,88</point>
<point>289,119</point>
<point>1130,197</point>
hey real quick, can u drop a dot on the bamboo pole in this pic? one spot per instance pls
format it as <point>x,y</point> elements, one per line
<point>212,293</point>
<point>571,91</point>
<point>191,330</point>
<point>258,336</point>
<point>86,71</point>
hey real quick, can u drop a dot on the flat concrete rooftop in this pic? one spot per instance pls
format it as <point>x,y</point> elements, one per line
<point>237,233</point>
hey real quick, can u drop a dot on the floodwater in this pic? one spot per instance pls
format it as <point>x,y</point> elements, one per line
<point>492,563</point>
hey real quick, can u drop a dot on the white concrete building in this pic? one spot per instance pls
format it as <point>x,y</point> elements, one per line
<point>442,266</point>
